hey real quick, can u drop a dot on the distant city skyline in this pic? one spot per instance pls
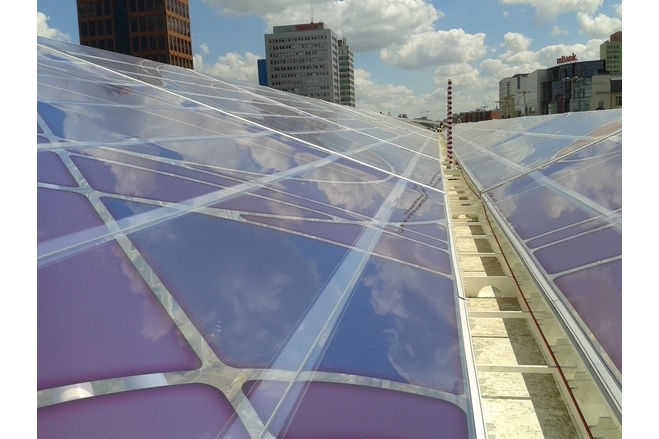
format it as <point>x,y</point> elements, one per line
<point>404,50</point>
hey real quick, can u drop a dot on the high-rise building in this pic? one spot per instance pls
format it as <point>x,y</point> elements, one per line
<point>346,74</point>
<point>304,59</point>
<point>158,30</point>
<point>611,52</point>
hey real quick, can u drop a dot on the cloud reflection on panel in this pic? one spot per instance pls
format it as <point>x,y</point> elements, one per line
<point>400,325</point>
<point>328,184</point>
<point>244,287</point>
<point>595,172</point>
<point>605,282</point>
<point>533,208</point>
<point>128,175</point>
<point>74,121</point>
<point>251,154</point>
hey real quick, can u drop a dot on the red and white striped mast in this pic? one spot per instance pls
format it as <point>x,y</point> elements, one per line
<point>449,125</point>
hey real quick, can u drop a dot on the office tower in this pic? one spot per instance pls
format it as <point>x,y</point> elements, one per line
<point>346,74</point>
<point>611,52</point>
<point>304,59</point>
<point>158,30</point>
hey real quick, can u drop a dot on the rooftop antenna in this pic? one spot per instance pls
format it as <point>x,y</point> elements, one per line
<point>311,11</point>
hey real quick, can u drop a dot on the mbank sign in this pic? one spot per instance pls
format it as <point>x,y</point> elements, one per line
<point>566,59</point>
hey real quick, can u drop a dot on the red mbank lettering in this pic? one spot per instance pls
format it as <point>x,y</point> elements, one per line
<point>565,59</point>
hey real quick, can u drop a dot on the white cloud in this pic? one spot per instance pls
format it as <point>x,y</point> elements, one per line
<point>388,98</point>
<point>472,87</point>
<point>557,31</point>
<point>600,26</point>
<point>231,66</point>
<point>432,48</point>
<point>618,9</point>
<point>514,61</point>
<point>549,10</point>
<point>367,24</point>
<point>204,49</point>
<point>43,30</point>
<point>515,42</point>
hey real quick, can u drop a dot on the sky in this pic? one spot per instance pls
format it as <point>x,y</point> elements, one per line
<point>405,51</point>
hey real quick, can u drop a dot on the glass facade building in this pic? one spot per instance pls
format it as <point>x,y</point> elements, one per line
<point>158,30</point>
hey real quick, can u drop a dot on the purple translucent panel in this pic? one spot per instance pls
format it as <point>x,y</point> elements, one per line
<point>191,411</point>
<point>433,236</point>
<point>343,411</point>
<point>345,234</point>
<point>328,188</point>
<point>76,124</point>
<point>286,124</point>
<point>533,152</point>
<point>244,287</point>
<point>124,180</point>
<point>121,209</point>
<point>251,154</point>
<point>595,172</point>
<point>343,171</point>
<point>413,252</point>
<point>329,141</point>
<point>152,149</point>
<point>271,193</point>
<point>39,129</point>
<point>595,293</point>
<point>400,325</point>
<point>226,173</point>
<point>565,233</point>
<point>261,106</point>
<point>487,170</point>
<point>112,91</point>
<point>42,140</point>
<point>551,125</point>
<point>418,203</point>
<point>115,123</point>
<point>397,159</point>
<point>430,232</point>
<point>593,123</point>
<point>97,319</point>
<point>51,169</point>
<point>60,213</point>
<point>355,171</point>
<point>580,250</point>
<point>533,209</point>
<point>254,204</point>
<point>165,168</point>
<point>502,162</point>
<point>429,176</point>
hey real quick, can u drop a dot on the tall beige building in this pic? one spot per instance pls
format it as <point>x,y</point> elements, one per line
<point>611,52</point>
<point>304,59</point>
